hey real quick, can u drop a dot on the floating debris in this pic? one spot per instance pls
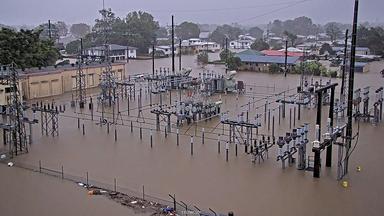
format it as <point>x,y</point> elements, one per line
<point>344,184</point>
<point>358,168</point>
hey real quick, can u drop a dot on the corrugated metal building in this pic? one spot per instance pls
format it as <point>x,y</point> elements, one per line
<point>51,81</point>
<point>256,61</point>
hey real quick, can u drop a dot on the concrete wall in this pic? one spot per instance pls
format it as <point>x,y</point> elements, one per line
<point>59,81</point>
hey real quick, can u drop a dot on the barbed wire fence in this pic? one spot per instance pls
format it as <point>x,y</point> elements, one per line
<point>180,207</point>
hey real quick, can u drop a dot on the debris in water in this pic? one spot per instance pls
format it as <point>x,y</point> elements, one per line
<point>358,168</point>
<point>94,192</point>
<point>344,184</point>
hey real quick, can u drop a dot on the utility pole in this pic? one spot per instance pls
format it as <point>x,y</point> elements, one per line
<point>350,87</point>
<point>173,46</point>
<point>108,80</point>
<point>80,78</point>
<point>286,58</point>
<point>49,29</point>
<point>226,55</point>
<point>342,92</point>
<point>180,54</point>
<point>153,57</point>
<point>16,126</point>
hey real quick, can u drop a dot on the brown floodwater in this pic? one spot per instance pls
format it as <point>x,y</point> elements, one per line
<point>203,179</point>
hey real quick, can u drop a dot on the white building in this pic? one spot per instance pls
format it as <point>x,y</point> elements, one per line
<point>162,51</point>
<point>196,45</point>
<point>244,42</point>
<point>117,52</point>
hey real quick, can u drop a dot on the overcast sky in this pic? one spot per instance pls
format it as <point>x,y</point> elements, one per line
<point>247,12</point>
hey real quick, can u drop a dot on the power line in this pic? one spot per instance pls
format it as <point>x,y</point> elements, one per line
<point>224,9</point>
<point>273,11</point>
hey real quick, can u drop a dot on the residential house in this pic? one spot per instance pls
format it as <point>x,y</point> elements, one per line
<point>359,50</point>
<point>204,35</point>
<point>243,42</point>
<point>116,52</point>
<point>196,45</point>
<point>162,51</point>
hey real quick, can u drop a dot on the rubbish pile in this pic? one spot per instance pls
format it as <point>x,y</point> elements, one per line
<point>138,205</point>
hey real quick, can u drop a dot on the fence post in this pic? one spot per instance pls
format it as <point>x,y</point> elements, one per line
<point>40,166</point>
<point>290,118</point>
<point>83,130</point>
<point>114,183</point>
<point>202,136</point>
<point>236,149</point>
<point>150,132</point>
<point>226,151</point>
<point>87,180</point>
<point>115,134</point>
<point>177,137</point>
<point>143,193</point>
<point>191,145</point>
<point>62,172</point>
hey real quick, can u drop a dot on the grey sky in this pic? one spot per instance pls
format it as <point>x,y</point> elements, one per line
<point>32,12</point>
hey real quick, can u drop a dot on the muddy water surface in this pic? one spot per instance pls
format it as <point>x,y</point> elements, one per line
<point>204,179</point>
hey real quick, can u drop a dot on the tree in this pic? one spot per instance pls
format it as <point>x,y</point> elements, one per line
<point>274,68</point>
<point>277,27</point>
<point>291,37</point>
<point>224,55</point>
<point>141,27</point>
<point>202,58</point>
<point>256,32</point>
<point>79,30</point>
<point>221,32</point>
<point>187,30</point>
<point>48,31</point>
<point>233,63</point>
<point>137,29</point>
<point>333,30</point>
<point>62,29</point>
<point>162,32</point>
<point>259,45</point>
<point>372,37</point>
<point>314,68</point>
<point>26,49</point>
<point>326,49</point>
<point>298,26</point>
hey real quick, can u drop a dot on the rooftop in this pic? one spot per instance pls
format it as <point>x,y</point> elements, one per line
<point>267,59</point>
<point>281,53</point>
<point>250,52</point>
<point>57,69</point>
<point>113,47</point>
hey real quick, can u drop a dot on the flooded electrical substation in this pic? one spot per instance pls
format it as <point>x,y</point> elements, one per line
<point>199,160</point>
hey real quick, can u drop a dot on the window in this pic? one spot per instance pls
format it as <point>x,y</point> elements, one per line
<point>74,82</point>
<point>91,79</point>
